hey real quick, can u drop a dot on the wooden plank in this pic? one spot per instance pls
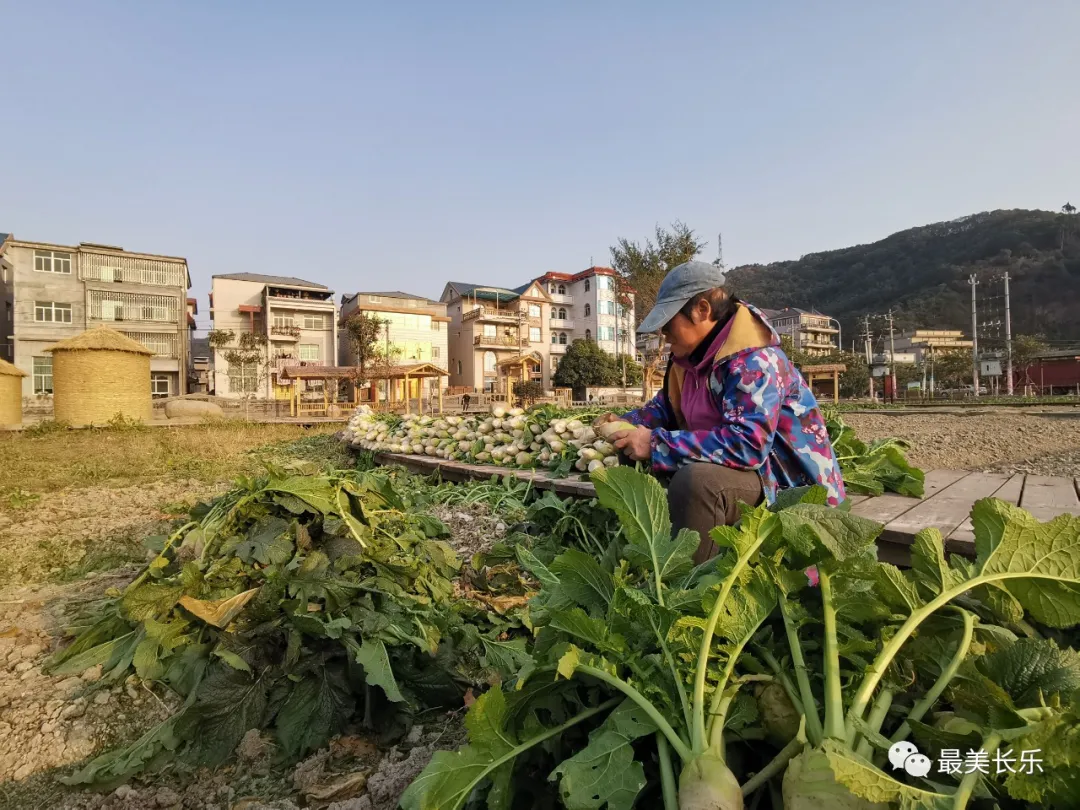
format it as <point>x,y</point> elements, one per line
<point>962,539</point>
<point>1047,497</point>
<point>890,506</point>
<point>948,507</point>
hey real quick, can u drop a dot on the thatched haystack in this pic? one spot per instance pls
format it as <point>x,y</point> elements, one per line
<point>10,394</point>
<point>99,374</point>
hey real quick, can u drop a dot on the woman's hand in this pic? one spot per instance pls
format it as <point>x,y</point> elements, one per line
<point>602,418</point>
<point>636,443</point>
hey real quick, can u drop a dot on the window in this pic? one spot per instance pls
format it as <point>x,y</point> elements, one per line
<point>374,299</point>
<point>536,372</point>
<point>52,312</point>
<point>588,334</point>
<point>562,338</point>
<point>243,378</point>
<point>588,310</point>
<point>436,351</point>
<point>562,313</point>
<point>458,366</point>
<point>309,351</point>
<point>554,338</point>
<point>604,282</point>
<point>605,333</point>
<point>534,334</point>
<point>562,289</point>
<point>489,363</point>
<point>42,375</point>
<point>554,363</point>
<point>313,322</point>
<point>606,307</point>
<point>159,385</point>
<point>436,326</point>
<point>52,261</point>
<point>551,289</point>
<point>283,320</point>
<point>534,310</point>
<point>490,330</point>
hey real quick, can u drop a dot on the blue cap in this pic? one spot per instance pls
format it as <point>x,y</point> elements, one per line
<point>678,287</point>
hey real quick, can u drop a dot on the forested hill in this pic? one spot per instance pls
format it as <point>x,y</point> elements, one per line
<point>922,274</point>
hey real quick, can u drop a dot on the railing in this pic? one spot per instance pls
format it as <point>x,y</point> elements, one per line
<point>498,340</point>
<point>132,270</point>
<point>489,313</point>
<point>559,348</point>
<point>562,323</point>
<point>285,331</point>
<point>162,344</point>
<point>561,299</point>
<point>118,306</point>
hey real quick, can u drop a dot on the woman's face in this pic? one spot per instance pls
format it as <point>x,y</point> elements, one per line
<point>683,333</point>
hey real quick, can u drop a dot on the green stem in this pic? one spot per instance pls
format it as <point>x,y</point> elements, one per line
<point>834,698</point>
<point>141,578</point>
<point>681,748</point>
<point>667,774</point>
<point>683,699</point>
<point>782,678</point>
<point>814,731</point>
<point>876,671</point>
<point>718,693</point>
<point>919,710</point>
<point>774,768</point>
<point>877,716</point>
<point>1024,627</point>
<point>698,735</point>
<point>717,717</point>
<point>967,784</point>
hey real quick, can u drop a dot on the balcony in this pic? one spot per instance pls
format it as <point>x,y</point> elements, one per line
<point>562,323</point>
<point>559,348</point>
<point>499,341</point>
<point>816,342</point>
<point>492,314</point>
<point>556,298</point>
<point>284,332</point>
<point>823,327</point>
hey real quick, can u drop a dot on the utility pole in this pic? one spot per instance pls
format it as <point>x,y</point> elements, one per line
<point>1008,342</point>
<point>869,345</point>
<point>974,336</point>
<point>892,356</point>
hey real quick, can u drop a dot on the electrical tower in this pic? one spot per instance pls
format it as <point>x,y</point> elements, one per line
<point>974,282</point>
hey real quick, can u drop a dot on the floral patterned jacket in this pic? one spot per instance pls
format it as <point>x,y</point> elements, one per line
<point>759,414</point>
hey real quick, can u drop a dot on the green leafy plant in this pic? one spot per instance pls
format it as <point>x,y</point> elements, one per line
<point>875,468</point>
<point>298,603</point>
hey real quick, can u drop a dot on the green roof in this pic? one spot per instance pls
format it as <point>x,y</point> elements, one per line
<point>482,293</point>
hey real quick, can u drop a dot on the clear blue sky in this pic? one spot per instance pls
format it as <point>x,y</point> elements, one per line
<point>399,145</point>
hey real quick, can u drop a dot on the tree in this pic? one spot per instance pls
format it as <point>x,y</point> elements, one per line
<point>644,266</point>
<point>641,268</point>
<point>1025,348</point>
<point>585,364</point>
<point>246,356</point>
<point>633,369</point>
<point>364,332</point>
<point>951,369</point>
<point>528,392</point>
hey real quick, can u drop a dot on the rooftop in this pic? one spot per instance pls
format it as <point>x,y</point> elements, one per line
<point>392,294</point>
<point>466,290</point>
<point>281,281</point>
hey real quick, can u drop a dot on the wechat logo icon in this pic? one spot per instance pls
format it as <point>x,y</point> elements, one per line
<point>904,755</point>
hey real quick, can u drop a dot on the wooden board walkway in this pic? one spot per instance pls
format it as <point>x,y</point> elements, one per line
<point>946,505</point>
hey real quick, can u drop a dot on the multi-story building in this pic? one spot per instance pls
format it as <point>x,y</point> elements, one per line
<point>926,342</point>
<point>585,305</point>
<point>51,292</point>
<point>811,333</point>
<point>522,332</point>
<point>416,330</point>
<point>294,320</point>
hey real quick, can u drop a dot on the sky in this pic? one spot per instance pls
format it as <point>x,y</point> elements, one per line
<point>374,146</point>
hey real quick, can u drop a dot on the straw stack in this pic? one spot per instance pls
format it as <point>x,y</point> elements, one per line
<point>99,374</point>
<point>10,394</point>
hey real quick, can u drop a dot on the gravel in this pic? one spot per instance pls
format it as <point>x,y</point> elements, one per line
<point>998,441</point>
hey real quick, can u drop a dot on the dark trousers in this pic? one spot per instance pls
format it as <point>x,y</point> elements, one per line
<point>702,496</point>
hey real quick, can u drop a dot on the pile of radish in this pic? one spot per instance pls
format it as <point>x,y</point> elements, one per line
<point>507,437</point>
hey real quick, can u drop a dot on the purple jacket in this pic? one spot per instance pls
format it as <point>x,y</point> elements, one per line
<point>744,406</point>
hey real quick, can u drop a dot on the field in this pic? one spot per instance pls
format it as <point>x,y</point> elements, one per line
<point>78,514</point>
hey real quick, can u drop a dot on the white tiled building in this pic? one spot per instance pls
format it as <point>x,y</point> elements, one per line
<point>298,319</point>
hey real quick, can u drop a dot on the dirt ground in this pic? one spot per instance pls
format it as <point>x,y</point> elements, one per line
<point>1003,440</point>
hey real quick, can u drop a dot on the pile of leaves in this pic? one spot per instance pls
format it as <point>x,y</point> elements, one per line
<point>783,671</point>
<point>875,468</point>
<point>303,603</point>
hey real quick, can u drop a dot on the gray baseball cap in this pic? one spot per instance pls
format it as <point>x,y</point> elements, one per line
<point>680,285</point>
